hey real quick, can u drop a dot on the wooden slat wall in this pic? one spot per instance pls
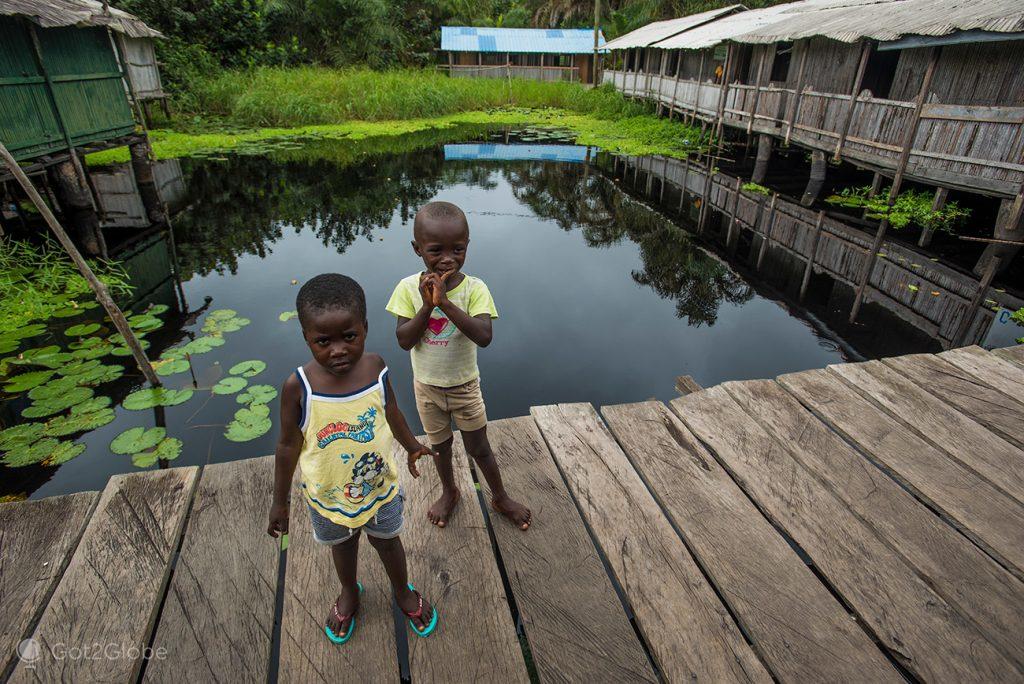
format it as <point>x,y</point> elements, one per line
<point>975,73</point>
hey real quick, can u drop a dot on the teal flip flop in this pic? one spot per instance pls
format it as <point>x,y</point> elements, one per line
<point>429,629</point>
<point>341,618</point>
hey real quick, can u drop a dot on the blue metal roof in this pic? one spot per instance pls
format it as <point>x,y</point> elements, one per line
<point>486,39</point>
<point>497,152</point>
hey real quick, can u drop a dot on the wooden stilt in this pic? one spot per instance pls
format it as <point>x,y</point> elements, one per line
<point>794,109</point>
<point>978,299</point>
<point>812,255</point>
<point>857,81</point>
<point>764,154</point>
<point>724,91</point>
<point>757,86</point>
<point>767,232</point>
<point>817,179</point>
<point>937,204</point>
<point>700,82</point>
<point>98,288</point>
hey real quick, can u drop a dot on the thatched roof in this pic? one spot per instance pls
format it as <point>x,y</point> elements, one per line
<point>53,13</point>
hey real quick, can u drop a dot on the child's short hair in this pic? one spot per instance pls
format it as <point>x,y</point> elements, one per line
<point>439,211</point>
<point>329,291</point>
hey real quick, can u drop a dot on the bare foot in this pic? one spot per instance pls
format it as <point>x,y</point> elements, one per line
<point>519,514</point>
<point>339,619</point>
<point>442,509</point>
<point>409,602</point>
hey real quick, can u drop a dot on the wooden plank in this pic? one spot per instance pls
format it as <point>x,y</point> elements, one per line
<point>687,385</point>
<point>992,519</point>
<point>219,613</point>
<point>111,590</point>
<point>936,422</point>
<point>37,539</point>
<point>454,566</point>
<point>992,370</point>
<point>796,625</point>
<point>960,389</point>
<point>916,625</point>
<point>310,587</point>
<point>689,631</point>
<point>1013,354</point>
<point>573,621</point>
<point>960,572</point>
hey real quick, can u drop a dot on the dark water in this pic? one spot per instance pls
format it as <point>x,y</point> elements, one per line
<point>601,299</point>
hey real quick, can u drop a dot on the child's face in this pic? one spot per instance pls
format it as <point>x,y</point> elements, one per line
<point>336,338</point>
<point>442,244</point>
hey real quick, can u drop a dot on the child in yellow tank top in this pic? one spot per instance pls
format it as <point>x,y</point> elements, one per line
<point>339,419</point>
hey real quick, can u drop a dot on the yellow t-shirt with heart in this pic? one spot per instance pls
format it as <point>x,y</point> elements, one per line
<point>444,357</point>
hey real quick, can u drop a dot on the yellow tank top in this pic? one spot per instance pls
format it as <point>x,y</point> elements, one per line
<point>348,471</point>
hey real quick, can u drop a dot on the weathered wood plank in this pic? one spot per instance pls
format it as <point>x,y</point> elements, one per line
<point>311,586</point>
<point>576,627</point>
<point>689,631</point>
<point>797,626</point>
<point>112,587</point>
<point>965,392</point>
<point>939,424</point>
<point>1012,354</point>
<point>219,613</point>
<point>991,518</point>
<point>454,567</point>
<point>955,568</point>
<point>687,385</point>
<point>999,373</point>
<point>916,625</point>
<point>37,539</point>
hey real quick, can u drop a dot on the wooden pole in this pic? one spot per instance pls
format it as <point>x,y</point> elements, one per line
<point>597,33</point>
<point>937,204</point>
<point>812,254</point>
<point>95,284</point>
<point>979,297</point>
<point>757,89</point>
<point>865,53</point>
<point>724,92</point>
<point>700,82</point>
<point>901,166</point>
<point>767,233</point>
<point>675,88</point>
<point>819,168</point>
<point>764,154</point>
<point>730,241</point>
<point>795,107</point>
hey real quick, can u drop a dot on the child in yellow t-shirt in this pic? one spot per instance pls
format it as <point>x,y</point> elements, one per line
<point>443,316</point>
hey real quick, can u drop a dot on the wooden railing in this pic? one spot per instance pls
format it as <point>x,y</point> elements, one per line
<point>533,73</point>
<point>961,146</point>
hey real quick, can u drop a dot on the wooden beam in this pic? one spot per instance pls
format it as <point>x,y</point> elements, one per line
<point>700,82</point>
<point>865,53</point>
<point>795,107</point>
<point>724,91</point>
<point>937,204</point>
<point>959,339</point>
<point>901,166</point>
<point>766,234</point>
<point>757,85</point>
<point>685,384</point>
<point>811,255</point>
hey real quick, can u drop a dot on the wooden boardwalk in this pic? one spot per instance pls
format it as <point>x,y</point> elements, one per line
<point>863,522</point>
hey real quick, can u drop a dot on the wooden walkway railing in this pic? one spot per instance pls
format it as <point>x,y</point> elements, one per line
<point>863,522</point>
<point>969,147</point>
<point>533,73</point>
<point>929,295</point>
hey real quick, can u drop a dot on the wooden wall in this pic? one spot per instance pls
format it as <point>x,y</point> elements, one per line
<point>831,65</point>
<point>978,73</point>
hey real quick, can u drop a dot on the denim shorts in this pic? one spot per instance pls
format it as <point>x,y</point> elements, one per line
<point>385,524</point>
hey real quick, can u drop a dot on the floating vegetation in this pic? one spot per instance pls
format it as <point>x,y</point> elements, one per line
<point>78,422</point>
<point>287,316</point>
<point>168,449</point>
<point>248,369</point>
<point>26,381</point>
<point>148,398</point>
<point>20,435</point>
<point>47,451</point>
<point>249,423</point>
<point>224,321</point>
<point>755,188</point>
<point>137,439</point>
<point>257,394</point>
<point>166,366</point>
<point>55,404</point>
<point>145,323</point>
<point>910,207</point>
<point>82,329</point>
<point>229,385</point>
<point>201,345</point>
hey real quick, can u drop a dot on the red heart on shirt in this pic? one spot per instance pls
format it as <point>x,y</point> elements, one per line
<point>436,325</point>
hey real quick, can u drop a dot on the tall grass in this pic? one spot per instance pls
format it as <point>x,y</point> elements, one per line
<point>318,95</point>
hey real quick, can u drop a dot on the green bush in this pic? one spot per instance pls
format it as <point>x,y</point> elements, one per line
<point>910,207</point>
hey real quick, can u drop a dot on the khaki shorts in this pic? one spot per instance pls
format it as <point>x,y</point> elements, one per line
<point>438,406</point>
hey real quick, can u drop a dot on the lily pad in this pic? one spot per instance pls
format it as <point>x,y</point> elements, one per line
<point>64,452</point>
<point>93,351</point>
<point>99,375</point>
<point>156,396</point>
<point>252,414</point>
<point>248,425</point>
<point>24,332</point>
<point>78,367</point>
<point>90,405</point>
<point>157,309</point>
<point>54,388</point>
<point>145,323</point>
<point>136,439</point>
<point>257,394</point>
<point>221,314</point>
<point>167,450</point>
<point>287,316</point>
<point>47,451</point>
<point>78,422</point>
<point>117,339</point>
<point>219,326</point>
<point>82,329</point>
<point>248,369</point>
<point>68,312</point>
<point>229,385</point>
<point>173,353</point>
<point>7,346</point>
<point>166,367</point>
<point>201,345</point>
<point>125,351</point>
<point>20,435</point>
<point>56,404</point>
<point>26,381</point>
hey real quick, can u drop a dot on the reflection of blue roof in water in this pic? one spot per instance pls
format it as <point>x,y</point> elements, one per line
<point>562,153</point>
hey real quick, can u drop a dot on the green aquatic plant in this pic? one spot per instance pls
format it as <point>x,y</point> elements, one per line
<point>168,449</point>
<point>229,385</point>
<point>78,422</point>
<point>224,324</point>
<point>41,408</point>
<point>909,207</point>
<point>201,345</point>
<point>82,329</point>
<point>755,188</point>
<point>287,316</point>
<point>249,423</point>
<point>257,394</point>
<point>248,369</point>
<point>47,452</point>
<point>170,366</point>
<point>27,381</point>
<point>148,398</point>
<point>136,439</point>
<point>20,435</point>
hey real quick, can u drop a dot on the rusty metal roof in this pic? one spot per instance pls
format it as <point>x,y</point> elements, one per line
<point>54,13</point>
<point>851,20</point>
<point>648,35</point>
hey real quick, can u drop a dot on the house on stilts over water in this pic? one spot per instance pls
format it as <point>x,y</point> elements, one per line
<point>919,90</point>
<point>535,54</point>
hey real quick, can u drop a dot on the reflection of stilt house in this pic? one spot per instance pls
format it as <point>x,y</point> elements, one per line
<point>923,89</point>
<point>536,54</point>
<point>63,94</point>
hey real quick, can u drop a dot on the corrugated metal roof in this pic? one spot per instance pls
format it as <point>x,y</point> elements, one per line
<point>53,13</point>
<point>851,20</point>
<point>487,39</point>
<point>646,36</point>
<point>496,152</point>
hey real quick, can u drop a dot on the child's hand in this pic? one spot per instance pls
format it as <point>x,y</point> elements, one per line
<point>278,520</point>
<point>437,285</point>
<point>415,455</point>
<point>427,288</point>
